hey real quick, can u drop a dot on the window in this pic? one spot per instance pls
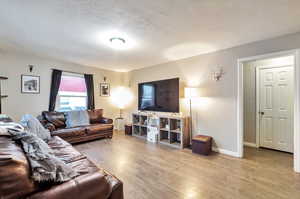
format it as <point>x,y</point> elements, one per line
<point>72,93</point>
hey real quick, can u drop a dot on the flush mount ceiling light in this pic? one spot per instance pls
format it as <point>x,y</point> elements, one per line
<point>117,40</point>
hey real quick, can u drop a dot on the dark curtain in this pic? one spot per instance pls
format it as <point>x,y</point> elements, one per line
<point>89,81</point>
<point>55,83</point>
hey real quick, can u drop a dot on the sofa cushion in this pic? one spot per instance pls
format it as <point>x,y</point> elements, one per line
<point>95,115</point>
<point>97,128</point>
<point>64,151</point>
<point>56,118</point>
<point>83,166</point>
<point>15,180</point>
<point>69,132</point>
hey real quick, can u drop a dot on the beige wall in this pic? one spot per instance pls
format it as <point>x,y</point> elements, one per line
<point>13,65</point>
<point>216,113</point>
<point>250,92</point>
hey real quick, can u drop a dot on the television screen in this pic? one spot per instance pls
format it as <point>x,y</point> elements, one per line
<point>160,96</point>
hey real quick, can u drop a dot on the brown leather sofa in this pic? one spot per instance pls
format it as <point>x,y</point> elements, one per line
<point>15,181</point>
<point>100,127</point>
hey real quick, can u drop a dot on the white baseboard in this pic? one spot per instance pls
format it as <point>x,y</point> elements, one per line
<point>226,152</point>
<point>249,144</point>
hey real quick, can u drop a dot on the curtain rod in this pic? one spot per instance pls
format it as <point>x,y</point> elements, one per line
<point>70,71</point>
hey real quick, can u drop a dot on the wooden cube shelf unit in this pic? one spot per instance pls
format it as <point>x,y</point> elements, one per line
<point>173,130</point>
<point>139,129</point>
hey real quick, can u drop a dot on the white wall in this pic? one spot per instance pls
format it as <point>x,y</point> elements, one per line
<point>216,113</point>
<point>250,92</point>
<point>13,65</point>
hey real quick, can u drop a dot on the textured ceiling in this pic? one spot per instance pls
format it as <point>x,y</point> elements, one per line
<point>158,30</point>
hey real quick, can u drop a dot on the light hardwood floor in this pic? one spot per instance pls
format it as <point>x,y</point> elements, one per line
<point>152,171</point>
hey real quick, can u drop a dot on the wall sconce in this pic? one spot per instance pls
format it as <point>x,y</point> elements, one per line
<point>218,74</point>
<point>30,68</point>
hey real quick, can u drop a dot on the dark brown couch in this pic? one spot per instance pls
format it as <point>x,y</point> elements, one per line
<point>15,181</point>
<point>100,127</point>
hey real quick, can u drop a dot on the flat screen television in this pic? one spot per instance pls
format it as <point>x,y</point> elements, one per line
<point>162,96</point>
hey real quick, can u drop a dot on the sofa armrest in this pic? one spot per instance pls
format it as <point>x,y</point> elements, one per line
<point>46,124</point>
<point>5,118</point>
<point>104,120</point>
<point>50,127</point>
<point>84,187</point>
<point>116,186</point>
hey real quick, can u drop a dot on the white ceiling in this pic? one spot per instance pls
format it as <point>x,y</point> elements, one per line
<point>158,30</point>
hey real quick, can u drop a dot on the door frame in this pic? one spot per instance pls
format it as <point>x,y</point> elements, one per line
<point>240,101</point>
<point>257,98</point>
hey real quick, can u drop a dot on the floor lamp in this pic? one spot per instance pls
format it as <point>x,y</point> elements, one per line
<point>121,97</point>
<point>190,93</point>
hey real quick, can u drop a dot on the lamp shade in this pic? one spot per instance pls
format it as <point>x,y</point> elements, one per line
<point>191,92</point>
<point>121,97</point>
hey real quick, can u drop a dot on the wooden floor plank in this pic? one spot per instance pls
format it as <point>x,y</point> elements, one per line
<point>151,171</point>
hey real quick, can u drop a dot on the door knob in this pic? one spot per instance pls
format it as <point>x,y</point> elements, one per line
<point>261,112</point>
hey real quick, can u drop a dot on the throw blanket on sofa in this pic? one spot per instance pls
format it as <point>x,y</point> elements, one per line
<point>77,118</point>
<point>34,126</point>
<point>44,165</point>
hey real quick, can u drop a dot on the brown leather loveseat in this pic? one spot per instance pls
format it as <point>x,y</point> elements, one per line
<point>16,183</point>
<point>100,127</point>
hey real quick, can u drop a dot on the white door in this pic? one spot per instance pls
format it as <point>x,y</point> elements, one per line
<point>276,108</point>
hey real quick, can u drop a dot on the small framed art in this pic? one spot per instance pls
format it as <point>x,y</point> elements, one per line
<point>30,84</point>
<point>104,89</point>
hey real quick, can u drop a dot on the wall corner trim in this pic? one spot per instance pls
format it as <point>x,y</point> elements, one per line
<point>249,144</point>
<point>226,152</point>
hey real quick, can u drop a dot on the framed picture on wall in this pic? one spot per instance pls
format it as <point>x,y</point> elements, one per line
<point>30,84</point>
<point>104,89</point>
